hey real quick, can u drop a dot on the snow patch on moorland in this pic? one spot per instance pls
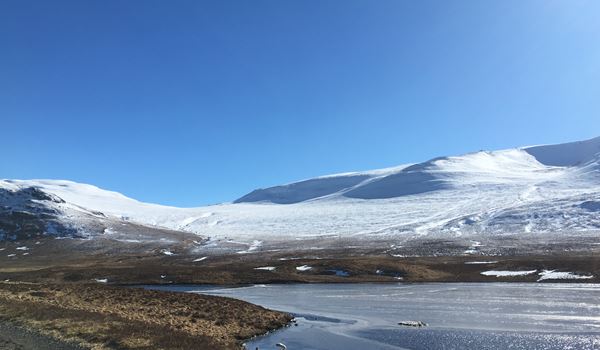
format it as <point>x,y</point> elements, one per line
<point>505,273</point>
<point>303,268</point>
<point>266,268</point>
<point>557,275</point>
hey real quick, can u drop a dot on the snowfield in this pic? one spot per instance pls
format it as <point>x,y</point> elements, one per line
<point>543,189</point>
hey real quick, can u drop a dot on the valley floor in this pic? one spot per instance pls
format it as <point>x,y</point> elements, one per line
<point>77,291</point>
<point>103,262</point>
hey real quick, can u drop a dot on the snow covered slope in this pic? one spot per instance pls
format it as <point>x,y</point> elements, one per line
<point>36,208</point>
<point>567,154</point>
<point>444,173</point>
<point>551,189</point>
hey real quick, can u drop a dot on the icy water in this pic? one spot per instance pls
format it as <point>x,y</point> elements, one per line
<point>459,316</point>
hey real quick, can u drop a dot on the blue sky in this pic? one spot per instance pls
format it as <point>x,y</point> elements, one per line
<point>196,102</point>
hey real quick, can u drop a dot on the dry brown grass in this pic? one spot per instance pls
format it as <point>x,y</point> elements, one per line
<point>236,269</point>
<point>104,317</point>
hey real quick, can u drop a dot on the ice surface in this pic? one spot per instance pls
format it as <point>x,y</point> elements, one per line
<point>486,316</point>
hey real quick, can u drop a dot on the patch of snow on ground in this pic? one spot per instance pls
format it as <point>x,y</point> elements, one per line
<point>473,249</point>
<point>479,262</point>
<point>253,246</point>
<point>499,273</point>
<point>101,280</point>
<point>168,252</point>
<point>129,240</point>
<point>304,268</point>
<point>200,259</point>
<point>266,268</point>
<point>22,248</point>
<point>557,275</point>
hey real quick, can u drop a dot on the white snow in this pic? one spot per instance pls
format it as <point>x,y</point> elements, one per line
<point>498,273</point>
<point>479,262</point>
<point>304,268</point>
<point>266,268</point>
<point>22,248</point>
<point>557,275</point>
<point>101,280</point>
<point>200,259</point>
<point>252,247</point>
<point>192,219</point>
<point>544,189</point>
<point>129,240</point>
<point>168,252</point>
<point>566,154</point>
<point>11,255</point>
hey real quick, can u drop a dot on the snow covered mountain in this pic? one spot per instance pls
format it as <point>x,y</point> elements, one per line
<point>525,165</point>
<point>553,189</point>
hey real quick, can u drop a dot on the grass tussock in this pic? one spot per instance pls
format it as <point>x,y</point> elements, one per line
<point>105,317</point>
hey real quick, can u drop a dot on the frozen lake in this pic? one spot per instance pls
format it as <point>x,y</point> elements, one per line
<point>459,315</point>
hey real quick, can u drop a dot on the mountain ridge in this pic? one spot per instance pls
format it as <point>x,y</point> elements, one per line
<point>479,193</point>
<point>407,179</point>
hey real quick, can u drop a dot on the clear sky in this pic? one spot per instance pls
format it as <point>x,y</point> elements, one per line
<point>196,102</point>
